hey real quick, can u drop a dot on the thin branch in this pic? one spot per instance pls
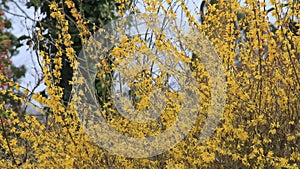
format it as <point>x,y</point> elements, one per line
<point>18,15</point>
<point>8,145</point>
<point>20,8</point>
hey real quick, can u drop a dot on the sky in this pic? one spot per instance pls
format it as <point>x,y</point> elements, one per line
<point>25,57</point>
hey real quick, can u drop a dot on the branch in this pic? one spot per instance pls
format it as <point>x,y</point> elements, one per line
<point>20,8</point>
<point>5,136</point>
<point>18,15</point>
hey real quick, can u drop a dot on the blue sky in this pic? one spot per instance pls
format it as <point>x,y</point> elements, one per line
<point>25,57</point>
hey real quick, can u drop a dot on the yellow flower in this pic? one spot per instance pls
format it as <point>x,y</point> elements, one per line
<point>273,131</point>
<point>53,6</point>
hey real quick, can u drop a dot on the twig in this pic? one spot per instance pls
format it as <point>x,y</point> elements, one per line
<point>5,136</point>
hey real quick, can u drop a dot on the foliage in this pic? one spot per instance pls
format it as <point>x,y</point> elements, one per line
<point>8,47</point>
<point>260,125</point>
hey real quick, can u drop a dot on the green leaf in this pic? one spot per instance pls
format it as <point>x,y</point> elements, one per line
<point>36,3</point>
<point>3,113</point>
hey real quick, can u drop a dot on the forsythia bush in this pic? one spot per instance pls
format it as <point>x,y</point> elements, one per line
<point>258,45</point>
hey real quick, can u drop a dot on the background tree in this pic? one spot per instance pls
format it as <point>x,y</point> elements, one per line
<point>9,45</point>
<point>96,12</point>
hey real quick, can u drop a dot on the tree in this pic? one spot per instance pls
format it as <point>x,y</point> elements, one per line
<point>97,13</point>
<point>9,72</point>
